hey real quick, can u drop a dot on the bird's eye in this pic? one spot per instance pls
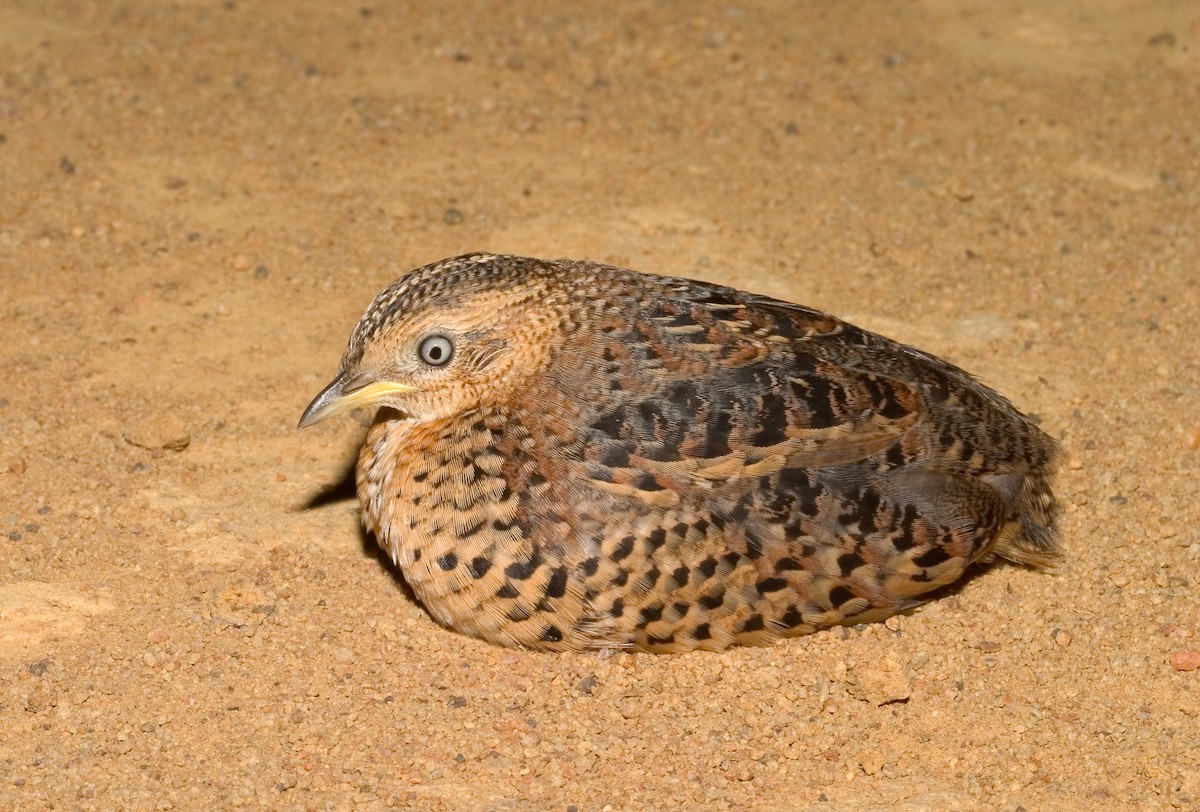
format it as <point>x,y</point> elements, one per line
<point>436,351</point>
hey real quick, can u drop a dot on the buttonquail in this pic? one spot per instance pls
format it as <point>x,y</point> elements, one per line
<point>575,456</point>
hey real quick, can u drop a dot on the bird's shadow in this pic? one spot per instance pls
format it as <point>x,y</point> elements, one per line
<point>345,488</point>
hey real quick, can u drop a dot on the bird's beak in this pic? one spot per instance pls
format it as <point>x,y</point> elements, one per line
<point>345,394</point>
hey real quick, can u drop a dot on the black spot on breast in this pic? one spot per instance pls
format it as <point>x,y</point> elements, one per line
<point>508,591</point>
<point>786,564</point>
<point>661,641</point>
<point>680,576</point>
<point>479,566</point>
<point>848,562</point>
<point>556,587</point>
<point>650,578</point>
<point>792,617</point>
<point>624,548</point>
<point>770,585</point>
<point>680,608</point>
<point>420,476</point>
<point>708,567</point>
<point>839,595</point>
<point>519,613</point>
<point>650,614</point>
<point>618,608</point>
<point>591,565</point>
<point>656,539</point>
<point>621,578</point>
<point>552,634</point>
<point>701,632</point>
<point>467,532</point>
<point>522,570</point>
<point>754,624</point>
<point>932,557</point>
<point>713,600</point>
<point>416,555</point>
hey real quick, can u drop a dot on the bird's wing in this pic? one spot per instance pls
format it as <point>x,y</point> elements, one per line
<point>708,388</point>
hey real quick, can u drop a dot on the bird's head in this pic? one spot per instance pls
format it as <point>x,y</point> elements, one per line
<point>449,338</point>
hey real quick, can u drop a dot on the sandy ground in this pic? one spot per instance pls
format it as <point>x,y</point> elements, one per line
<point>198,199</point>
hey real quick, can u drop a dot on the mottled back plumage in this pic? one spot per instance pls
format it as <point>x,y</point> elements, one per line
<point>614,459</point>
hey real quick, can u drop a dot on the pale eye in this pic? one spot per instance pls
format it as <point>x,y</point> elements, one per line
<point>436,351</point>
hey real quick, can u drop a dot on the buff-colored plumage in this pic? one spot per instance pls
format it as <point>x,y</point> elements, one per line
<point>576,456</point>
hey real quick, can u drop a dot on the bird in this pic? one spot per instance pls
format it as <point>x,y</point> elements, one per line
<point>572,456</point>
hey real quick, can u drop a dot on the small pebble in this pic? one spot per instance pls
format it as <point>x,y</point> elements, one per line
<point>159,432</point>
<point>1186,659</point>
<point>879,682</point>
<point>1062,637</point>
<point>452,217</point>
<point>16,466</point>
<point>872,762</point>
<point>587,684</point>
<point>1191,438</point>
<point>242,263</point>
